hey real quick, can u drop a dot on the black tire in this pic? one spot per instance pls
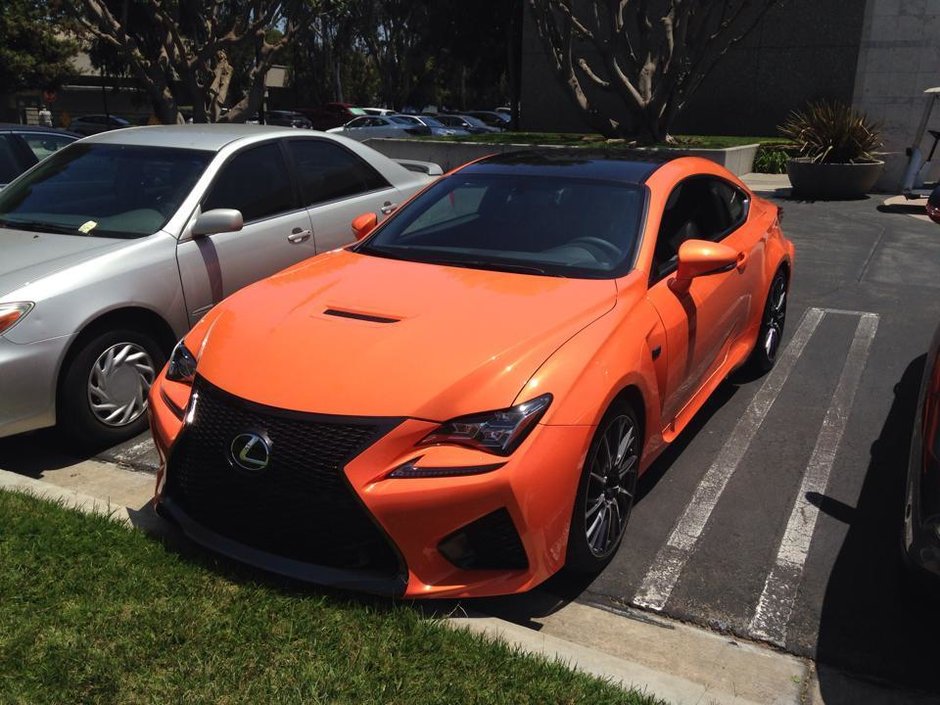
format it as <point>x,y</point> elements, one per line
<point>139,359</point>
<point>764,355</point>
<point>608,496</point>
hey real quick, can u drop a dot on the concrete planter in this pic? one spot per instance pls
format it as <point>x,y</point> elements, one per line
<point>832,181</point>
<point>449,155</point>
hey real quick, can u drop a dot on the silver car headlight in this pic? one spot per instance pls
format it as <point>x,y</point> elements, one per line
<point>498,432</point>
<point>13,313</point>
<point>182,365</point>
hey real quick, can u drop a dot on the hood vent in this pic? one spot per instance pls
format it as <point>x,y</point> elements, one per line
<point>360,316</point>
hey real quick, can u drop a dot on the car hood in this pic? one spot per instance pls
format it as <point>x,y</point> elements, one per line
<point>28,256</point>
<point>351,334</point>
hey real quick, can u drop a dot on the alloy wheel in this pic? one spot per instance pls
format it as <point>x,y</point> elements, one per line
<point>611,485</point>
<point>774,317</point>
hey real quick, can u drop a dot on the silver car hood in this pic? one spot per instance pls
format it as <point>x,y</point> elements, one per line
<point>26,257</point>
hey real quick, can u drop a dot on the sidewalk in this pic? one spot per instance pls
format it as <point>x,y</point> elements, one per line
<point>674,661</point>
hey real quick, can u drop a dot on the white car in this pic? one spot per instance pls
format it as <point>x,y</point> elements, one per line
<point>381,112</point>
<point>369,126</point>
<point>111,248</point>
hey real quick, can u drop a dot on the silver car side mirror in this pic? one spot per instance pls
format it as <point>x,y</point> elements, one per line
<point>218,220</point>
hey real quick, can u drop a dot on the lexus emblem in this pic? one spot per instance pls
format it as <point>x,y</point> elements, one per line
<point>250,451</point>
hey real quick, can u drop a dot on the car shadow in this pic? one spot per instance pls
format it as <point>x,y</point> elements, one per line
<point>878,621</point>
<point>33,453</point>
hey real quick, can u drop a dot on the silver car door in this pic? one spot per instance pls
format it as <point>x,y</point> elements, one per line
<point>337,185</point>
<point>276,233</point>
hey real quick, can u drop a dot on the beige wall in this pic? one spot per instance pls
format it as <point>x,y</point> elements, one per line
<point>899,57</point>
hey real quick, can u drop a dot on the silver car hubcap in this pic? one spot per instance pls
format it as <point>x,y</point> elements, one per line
<point>611,485</point>
<point>118,384</point>
<point>775,317</point>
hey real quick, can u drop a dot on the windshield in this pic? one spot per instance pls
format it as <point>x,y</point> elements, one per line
<point>103,190</point>
<point>536,224</point>
<point>431,122</point>
<point>357,111</point>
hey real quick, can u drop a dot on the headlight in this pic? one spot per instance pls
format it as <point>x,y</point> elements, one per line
<point>12,313</point>
<point>498,432</point>
<point>182,365</point>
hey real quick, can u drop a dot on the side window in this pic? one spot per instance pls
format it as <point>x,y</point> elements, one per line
<point>732,201</point>
<point>9,164</point>
<point>328,172</point>
<point>358,122</point>
<point>255,182</point>
<point>44,144</point>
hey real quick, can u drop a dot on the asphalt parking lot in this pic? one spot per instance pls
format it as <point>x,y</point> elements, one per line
<point>777,515</point>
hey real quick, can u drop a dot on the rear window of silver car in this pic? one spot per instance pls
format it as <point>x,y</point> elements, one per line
<point>103,190</point>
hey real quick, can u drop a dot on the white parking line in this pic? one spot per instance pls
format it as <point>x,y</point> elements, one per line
<point>135,451</point>
<point>776,601</point>
<point>663,575</point>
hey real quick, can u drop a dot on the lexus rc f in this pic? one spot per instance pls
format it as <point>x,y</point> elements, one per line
<point>460,403</point>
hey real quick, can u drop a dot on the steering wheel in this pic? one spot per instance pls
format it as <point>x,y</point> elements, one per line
<point>608,249</point>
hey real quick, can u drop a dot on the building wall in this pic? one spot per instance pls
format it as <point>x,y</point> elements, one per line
<point>899,58</point>
<point>803,49</point>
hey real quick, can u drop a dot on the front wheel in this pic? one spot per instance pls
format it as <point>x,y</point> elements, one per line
<point>606,491</point>
<point>764,355</point>
<point>103,395</point>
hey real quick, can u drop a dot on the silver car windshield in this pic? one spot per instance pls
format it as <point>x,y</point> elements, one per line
<point>103,190</point>
<point>534,224</point>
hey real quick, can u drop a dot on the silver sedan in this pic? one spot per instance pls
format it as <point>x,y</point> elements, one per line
<point>112,248</point>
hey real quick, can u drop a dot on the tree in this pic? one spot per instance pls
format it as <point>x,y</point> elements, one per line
<point>189,51</point>
<point>32,52</point>
<point>648,55</point>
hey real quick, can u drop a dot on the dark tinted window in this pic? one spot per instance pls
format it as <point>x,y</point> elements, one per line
<point>530,223</point>
<point>698,209</point>
<point>104,190</point>
<point>9,164</point>
<point>43,144</point>
<point>327,171</point>
<point>255,182</point>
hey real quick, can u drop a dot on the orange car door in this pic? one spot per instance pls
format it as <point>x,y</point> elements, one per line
<point>703,323</point>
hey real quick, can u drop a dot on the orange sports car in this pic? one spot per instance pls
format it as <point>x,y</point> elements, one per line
<point>460,403</point>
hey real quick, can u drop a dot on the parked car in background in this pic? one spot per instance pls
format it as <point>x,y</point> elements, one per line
<point>370,126</point>
<point>93,124</point>
<point>23,146</point>
<point>465,122</point>
<point>437,129</point>
<point>331,115</point>
<point>489,117</point>
<point>114,246</point>
<point>503,359</point>
<point>380,111</point>
<point>286,118</point>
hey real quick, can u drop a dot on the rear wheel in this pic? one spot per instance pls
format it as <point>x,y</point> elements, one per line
<point>764,355</point>
<point>103,395</point>
<point>606,491</point>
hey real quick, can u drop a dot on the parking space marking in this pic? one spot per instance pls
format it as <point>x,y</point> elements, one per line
<point>663,575</point>
<point>773,611</point>
<point>134,452</point>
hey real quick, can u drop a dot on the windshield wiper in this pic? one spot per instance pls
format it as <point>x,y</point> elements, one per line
<point>35,226</point>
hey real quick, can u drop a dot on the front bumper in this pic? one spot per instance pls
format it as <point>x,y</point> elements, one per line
<point>921,542</point>
<point>28,384</point>
<point>536,488</point>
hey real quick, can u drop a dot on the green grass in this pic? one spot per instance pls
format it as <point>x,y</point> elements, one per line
<point>91,612</point>
<point>565,139</point>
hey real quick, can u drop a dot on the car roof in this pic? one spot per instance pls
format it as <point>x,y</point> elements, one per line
<point>14,127</point>
<point>632,167</point>
<point>202,136</point>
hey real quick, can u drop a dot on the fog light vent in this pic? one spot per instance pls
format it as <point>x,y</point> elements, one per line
<point>489,543</point>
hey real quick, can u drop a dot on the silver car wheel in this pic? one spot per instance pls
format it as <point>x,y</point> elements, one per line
<point>118,384</point>
<point>611,485</point>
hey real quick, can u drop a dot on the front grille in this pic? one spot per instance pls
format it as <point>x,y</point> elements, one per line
<point>489,543</point>
<point>300,506</point>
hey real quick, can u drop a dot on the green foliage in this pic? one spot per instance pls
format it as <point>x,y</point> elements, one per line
<point>773,158</point>
<point>95,613</point>
<point>833,133</point>
<point>33,54</point>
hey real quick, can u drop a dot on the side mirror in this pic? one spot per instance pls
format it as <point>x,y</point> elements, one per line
<point>363,224</point>
<point>699,258</point>
<point>218,220</point>
<point>933,205</point>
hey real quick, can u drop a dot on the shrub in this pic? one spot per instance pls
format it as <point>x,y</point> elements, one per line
<point>773,158</point>
<point>833,132</point>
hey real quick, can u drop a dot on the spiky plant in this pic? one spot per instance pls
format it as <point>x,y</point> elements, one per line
<point>830,132</point>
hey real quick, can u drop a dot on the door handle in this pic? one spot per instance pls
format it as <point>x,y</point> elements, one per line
<point>298,235</point>
<point>388,207</point>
